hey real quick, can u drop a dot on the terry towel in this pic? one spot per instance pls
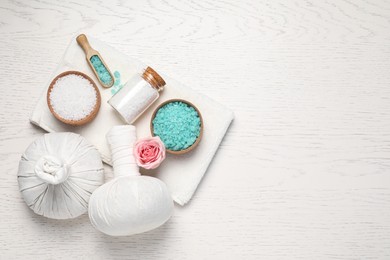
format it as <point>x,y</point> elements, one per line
<point>181,173</point>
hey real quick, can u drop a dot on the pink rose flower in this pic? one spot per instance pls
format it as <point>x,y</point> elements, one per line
<point>149,152</point>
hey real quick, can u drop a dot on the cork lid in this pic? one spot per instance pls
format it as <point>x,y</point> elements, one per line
<point>154,79</point>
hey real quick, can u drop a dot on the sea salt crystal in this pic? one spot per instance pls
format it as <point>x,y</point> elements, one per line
<point>103,73</point>
<point>178,125</point>
<point>73,97</point>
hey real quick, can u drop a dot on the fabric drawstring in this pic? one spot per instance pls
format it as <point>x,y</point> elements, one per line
<point>51,169</point>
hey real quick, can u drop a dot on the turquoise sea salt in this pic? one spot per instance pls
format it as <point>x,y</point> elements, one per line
<point>101,70</point>
<point>117,83</point>
<point>178,125</point>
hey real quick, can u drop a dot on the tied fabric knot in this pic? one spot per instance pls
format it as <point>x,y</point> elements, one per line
<point>51,169</point>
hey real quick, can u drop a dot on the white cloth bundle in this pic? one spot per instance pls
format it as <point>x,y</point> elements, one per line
<point>57,174</point>
<point>130,203</point>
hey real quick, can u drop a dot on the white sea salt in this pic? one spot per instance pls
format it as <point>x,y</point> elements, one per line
<point>73,97</point>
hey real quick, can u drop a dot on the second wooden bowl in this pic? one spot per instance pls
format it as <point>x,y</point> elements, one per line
<point>201,125</point>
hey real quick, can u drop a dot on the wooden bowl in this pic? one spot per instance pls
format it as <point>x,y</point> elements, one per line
<point>86,119</point>
<point>201,125</point>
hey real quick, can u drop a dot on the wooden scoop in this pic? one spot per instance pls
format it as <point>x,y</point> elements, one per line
<point>95,61</point>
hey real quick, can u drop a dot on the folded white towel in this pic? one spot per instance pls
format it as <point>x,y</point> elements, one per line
<point>181,173</point>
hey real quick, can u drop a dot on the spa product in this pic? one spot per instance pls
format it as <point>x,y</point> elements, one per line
<point>130,203</point>
<point>73,98</point>
<point>179,125</point>
<point>57,174</point>
<point>137,95</point>
<point>96,62</point>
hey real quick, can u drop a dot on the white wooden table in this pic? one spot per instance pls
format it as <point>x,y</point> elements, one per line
<point>304,171</point>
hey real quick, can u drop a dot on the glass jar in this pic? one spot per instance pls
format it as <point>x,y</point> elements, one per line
<point>137,95</point>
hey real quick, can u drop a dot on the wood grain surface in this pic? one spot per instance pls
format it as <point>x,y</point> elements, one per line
<point>304,171</point>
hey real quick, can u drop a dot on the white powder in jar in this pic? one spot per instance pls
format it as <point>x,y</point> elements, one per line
<point>73,97</point>
<point>134,98</point>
